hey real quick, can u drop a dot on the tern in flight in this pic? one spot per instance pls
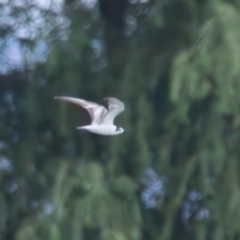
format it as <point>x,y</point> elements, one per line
<point>102,119</point>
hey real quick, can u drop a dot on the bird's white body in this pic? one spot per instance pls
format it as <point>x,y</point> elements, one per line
<point>102,119</point>
<point>107,130</point>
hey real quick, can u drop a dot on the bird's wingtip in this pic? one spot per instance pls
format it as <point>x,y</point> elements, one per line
<point>107,98</point>
<point>57,98</point>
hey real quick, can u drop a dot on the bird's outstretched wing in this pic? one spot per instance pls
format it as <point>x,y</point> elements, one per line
<point>96,111</point>
<point>115,107</point>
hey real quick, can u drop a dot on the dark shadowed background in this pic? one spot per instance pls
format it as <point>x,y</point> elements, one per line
<point>175,172</point>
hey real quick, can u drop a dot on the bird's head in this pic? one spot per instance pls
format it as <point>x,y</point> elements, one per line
<point>119,129</point>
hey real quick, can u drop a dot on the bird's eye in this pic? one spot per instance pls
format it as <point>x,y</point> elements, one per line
<point>118,129</point>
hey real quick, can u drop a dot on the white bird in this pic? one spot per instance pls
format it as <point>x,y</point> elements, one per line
<point>102,119</point>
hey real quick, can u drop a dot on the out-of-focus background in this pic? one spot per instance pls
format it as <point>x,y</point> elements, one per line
<point>174,173</point>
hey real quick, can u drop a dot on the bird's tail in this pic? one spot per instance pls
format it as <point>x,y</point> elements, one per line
<point>82,127</point>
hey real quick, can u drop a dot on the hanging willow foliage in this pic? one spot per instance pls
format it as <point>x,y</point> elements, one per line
<point>174,173</point>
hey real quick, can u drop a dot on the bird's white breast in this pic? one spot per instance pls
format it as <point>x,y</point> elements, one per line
<point>102,129</point>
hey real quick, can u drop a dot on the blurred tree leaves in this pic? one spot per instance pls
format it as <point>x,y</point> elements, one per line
<point>175,64</point>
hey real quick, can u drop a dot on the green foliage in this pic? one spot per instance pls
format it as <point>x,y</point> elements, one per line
<point>176,68</point>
